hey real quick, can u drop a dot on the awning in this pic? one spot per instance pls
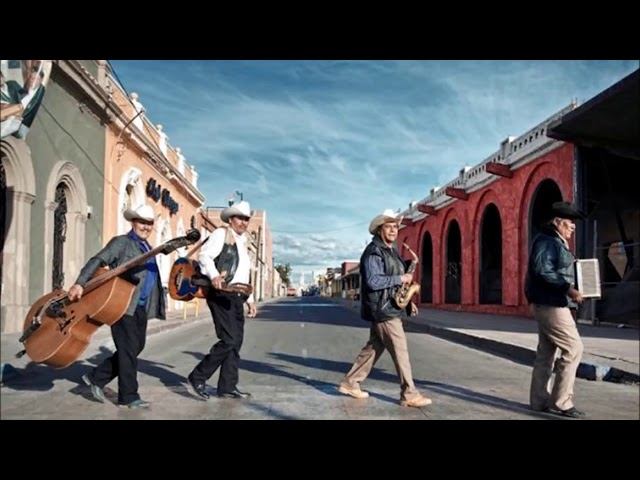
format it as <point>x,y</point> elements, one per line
<point>609,120</point>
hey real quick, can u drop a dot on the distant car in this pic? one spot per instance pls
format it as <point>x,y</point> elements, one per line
<point>291,292</point>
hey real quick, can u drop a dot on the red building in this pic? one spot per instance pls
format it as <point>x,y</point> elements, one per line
<point>472,235</point>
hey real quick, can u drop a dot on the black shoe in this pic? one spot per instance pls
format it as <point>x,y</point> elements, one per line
<point>199,388</point>
<point>572,412</point>
<point>139,403</point>
<point>234,394</point>
<point>96,391</point>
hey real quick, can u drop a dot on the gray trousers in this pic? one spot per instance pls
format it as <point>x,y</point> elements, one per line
<point>557,331</point>
<point>387,335</point>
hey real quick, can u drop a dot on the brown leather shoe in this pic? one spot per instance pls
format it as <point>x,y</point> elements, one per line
<point>354,392</point>
<point>419,401</point>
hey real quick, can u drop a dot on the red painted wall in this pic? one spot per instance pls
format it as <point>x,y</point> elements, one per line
<point>513,197</point>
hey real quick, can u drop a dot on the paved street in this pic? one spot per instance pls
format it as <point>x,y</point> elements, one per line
<point>294,354</point>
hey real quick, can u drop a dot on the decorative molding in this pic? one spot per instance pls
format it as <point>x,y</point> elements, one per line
<point>458,193</point>
<point>499,169</point>
<point>428,209</point>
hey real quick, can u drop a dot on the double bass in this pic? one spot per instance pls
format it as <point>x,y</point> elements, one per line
<point>57,331</point>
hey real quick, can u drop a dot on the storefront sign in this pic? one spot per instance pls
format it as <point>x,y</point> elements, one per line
<point>157,193</point>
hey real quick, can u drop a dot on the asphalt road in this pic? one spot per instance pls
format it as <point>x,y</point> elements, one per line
<point>295,353</point>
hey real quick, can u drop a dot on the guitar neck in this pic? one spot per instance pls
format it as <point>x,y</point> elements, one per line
<point>134,262</point>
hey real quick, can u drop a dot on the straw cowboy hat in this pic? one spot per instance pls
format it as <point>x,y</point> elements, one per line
<point>566,210</point>
<point>385,217</point>
<point>143,212</point>
<point>241,209</point>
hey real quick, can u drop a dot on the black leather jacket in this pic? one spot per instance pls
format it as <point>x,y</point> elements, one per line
<point>550,271</point>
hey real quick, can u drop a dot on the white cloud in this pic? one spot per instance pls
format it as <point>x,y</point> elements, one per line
<point>323,147</point>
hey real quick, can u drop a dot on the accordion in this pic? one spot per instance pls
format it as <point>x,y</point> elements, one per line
<point>588,277</point>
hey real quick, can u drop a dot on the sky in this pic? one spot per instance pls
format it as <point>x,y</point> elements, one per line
<point>325,146</point>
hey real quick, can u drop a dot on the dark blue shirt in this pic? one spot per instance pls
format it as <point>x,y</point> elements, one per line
<point>375,276</point>
<point>152,269</point>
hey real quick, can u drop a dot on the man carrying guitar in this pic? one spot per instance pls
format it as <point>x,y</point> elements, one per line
<point>129,333</point>
<point>225,260</point>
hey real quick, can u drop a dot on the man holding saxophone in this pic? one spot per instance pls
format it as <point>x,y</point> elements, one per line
<point>383,273</point>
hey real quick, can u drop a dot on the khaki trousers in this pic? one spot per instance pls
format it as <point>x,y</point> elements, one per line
<point>384,335</point>
<point>556,331</point>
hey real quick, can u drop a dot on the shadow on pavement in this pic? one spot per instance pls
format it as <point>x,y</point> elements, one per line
<point>441,388</point>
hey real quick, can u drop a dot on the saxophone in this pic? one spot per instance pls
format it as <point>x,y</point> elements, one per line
<point>407,290</point>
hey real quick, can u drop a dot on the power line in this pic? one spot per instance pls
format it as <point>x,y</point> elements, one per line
<point>113,70</point>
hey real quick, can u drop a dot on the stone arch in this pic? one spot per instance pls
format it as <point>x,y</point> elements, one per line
<point>489,197</point>
<point>67,174</point>
<point>451,236</point>
<point>163,235</point>
<point>131,194</point>
<point>426,267</point>
<point>543,171</point>
<point>15,237</point>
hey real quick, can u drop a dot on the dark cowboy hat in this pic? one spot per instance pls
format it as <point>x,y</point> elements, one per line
<point>566,210</point>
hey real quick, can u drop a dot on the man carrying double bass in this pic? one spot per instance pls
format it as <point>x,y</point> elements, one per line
<point>129,333</point>
<point>225,260</point>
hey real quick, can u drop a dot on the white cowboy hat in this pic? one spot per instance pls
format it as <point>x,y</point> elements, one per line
<point>143,212</point>
<point>241,209</point>
<point>385,217</point>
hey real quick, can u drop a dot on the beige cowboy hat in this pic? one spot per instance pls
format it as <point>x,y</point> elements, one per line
<point>143,212</point>
<point>385,217</point>
<point>241,209</point>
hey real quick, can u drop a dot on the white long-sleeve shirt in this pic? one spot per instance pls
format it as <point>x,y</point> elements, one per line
<point>212,248</point>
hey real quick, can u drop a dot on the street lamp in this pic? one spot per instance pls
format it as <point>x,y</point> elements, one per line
<point>241,195</point>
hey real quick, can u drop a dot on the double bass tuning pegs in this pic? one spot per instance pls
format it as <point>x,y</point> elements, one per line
<point>193,235</point>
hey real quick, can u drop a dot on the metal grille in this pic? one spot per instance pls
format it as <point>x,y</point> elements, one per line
<point>59,236</point>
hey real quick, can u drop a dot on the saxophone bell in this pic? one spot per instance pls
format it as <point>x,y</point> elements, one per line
<point>407,290</point>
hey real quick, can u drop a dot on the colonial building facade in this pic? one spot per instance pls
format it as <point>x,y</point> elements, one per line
<point>472,235</point>
<point>51,179</point>
<point>141,167</point>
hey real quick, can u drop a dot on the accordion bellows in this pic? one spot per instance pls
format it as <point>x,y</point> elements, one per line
<point>588,277</point>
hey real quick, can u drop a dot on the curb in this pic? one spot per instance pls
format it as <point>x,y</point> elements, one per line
<point>586,370</point>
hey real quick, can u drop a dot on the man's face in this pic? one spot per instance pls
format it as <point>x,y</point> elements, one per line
<point>142,228</point>
<point>565,227</point>
<point>239,224</point>
<point>389,232</point>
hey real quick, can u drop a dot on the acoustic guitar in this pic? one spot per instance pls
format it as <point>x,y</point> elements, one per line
<point>187,282</point>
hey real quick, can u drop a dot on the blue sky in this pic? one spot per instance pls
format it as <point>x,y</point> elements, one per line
<point>324,146</point>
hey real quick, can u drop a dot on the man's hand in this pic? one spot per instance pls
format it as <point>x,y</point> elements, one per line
<point>217,282</point>
<point>575,295</point>
<point>406,278</point>
<point>253,310</point>
<point>75,293</point>
<point>414,309</point>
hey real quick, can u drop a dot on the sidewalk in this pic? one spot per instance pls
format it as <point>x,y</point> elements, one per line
<point>610,353</point>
